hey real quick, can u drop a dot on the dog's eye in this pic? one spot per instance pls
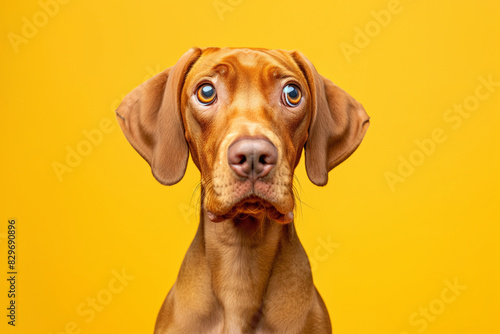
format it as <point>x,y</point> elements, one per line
<point>206,94</point>
<point>292,95</point>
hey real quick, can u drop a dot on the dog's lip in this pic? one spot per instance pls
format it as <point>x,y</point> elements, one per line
<point>257,205</point>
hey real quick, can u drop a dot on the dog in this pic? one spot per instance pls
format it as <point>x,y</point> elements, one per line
<point>245,114</point>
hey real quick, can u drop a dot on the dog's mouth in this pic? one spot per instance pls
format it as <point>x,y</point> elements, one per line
<point>252,206</point>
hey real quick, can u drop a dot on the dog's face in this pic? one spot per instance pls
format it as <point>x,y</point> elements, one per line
<point>245,115</point>
<point>246,107</point>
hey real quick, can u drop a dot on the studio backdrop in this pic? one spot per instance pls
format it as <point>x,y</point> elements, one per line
<point>402,240</point>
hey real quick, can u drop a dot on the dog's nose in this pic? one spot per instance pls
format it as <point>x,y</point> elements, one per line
<point>252,158</point>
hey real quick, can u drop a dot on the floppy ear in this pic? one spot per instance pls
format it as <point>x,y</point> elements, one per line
<point>337,127</point>
<point>150,118</point>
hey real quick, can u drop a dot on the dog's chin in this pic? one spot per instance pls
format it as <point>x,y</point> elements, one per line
<point>252,207</point>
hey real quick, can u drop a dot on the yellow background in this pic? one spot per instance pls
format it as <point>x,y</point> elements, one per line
<point>391,251</point>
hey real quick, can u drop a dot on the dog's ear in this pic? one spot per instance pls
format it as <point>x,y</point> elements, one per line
<point>150,118</point>
<point>338,124</point>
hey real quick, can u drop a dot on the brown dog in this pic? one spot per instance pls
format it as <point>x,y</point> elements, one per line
<point>245,115</point>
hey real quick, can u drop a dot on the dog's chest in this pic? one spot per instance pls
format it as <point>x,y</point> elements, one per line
<point>240,284</point>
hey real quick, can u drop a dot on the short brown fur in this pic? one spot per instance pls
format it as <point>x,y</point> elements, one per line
<point>246,270</point>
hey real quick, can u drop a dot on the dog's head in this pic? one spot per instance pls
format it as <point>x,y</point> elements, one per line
<point>245,115</point>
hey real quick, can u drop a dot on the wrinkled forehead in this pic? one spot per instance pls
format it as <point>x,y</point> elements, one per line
<point>246,63</point>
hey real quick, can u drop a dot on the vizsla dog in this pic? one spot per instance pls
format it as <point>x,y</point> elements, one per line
<point>245,115</point>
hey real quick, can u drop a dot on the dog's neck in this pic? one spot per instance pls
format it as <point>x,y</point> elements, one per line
<point>240,255</point>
